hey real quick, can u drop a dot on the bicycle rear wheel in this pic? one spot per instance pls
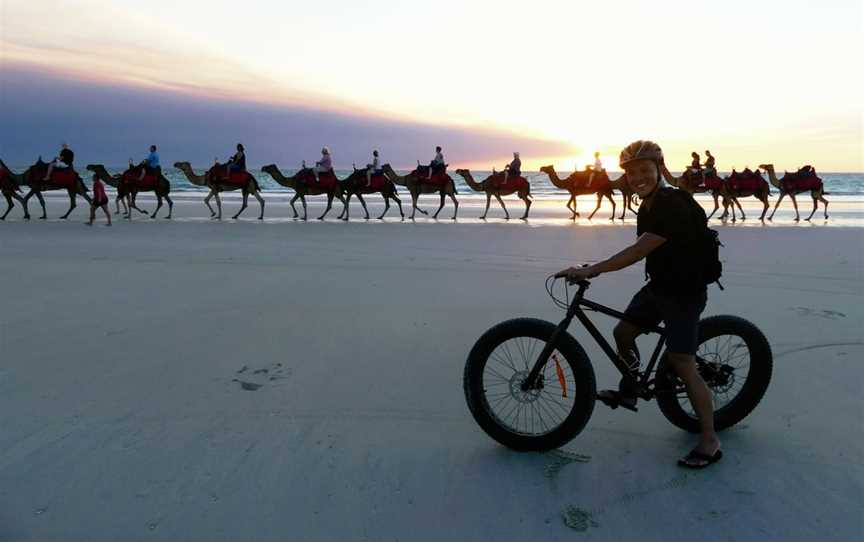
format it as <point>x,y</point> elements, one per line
<point>735,361</point>
<point>530,420</point>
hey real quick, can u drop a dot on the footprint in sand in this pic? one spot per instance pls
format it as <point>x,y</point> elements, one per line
<point>560,459</point>
<point>253,379</point>
<point>809,311</point>
<point>578,519</point>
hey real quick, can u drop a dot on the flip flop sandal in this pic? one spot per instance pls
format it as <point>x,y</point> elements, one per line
<point>699,456</point>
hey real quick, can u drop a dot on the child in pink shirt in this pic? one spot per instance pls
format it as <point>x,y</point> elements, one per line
<point>100,199</point>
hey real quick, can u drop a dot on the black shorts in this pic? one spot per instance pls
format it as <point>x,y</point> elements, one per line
<point>680,313</point>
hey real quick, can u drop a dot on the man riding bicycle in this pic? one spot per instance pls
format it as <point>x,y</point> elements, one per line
<point>675,294</point>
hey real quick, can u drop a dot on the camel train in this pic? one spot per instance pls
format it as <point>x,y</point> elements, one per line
<point>385,181</point>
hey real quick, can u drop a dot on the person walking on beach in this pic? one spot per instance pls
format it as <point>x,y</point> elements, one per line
<point>323,165</point>
<point>150,164</point>
<point>513,168</point>
<point>675,295</point>
<point>236,162</point>
<point>373,169</point>
<point>437,163</point>
<point>99,201</point>
<point>598,166</point>
<point>63,161</point>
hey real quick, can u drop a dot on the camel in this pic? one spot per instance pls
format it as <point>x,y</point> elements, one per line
<point>575,184</point>
<point>382,184</point>
<point>218,183</point>
<point>127,186</point>
<point>787,186</point>
<point>10,186</point>
<point>693,185</point>
<point>63,179</point>
<point>493,185</point>
<point>728,191</point>
<point>417,184</point>
<point>303,183</point>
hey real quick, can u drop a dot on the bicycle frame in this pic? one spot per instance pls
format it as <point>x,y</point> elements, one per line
<point>574,310</point>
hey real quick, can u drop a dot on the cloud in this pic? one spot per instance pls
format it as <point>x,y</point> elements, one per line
<point>110,122</point>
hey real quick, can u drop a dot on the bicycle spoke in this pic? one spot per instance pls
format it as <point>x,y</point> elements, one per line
<point>535,411</point>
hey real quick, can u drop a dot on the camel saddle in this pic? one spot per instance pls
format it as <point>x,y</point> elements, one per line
<point>803,179</point>
<point>326,179</point>
<point>133,181</point>
<point>746,180</point>
<point>236,178</point>
<point>60,178</point>
<point>712,181</point>
<point>439,177</point>
<point>599,183</point>
<point>514,182</point>
<point>378,181</point>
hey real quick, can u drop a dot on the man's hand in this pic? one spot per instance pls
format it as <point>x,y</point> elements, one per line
<point>575,274</point>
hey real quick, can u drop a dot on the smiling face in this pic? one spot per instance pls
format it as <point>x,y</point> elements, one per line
<point>642,176</point>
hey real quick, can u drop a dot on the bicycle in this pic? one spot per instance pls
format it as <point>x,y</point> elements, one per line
<point>538,403</point>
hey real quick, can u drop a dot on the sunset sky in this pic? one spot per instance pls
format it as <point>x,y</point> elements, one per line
<point>776,81</point>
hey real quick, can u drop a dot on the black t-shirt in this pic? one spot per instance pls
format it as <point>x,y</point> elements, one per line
<point>673,267</point>
<point>67,156</point>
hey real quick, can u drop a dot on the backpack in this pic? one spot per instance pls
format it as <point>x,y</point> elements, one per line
<point>707,243</point>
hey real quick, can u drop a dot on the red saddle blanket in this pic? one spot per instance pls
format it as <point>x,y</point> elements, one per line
<point>378,182</point>
<point>64,178</point>
<point>800,184</point>
<point>514,183</point>
<point>236,178</point>
<point>713,183</point>
<point>133,181</point>
<point>743,182</point>
<point>439,178</point>
<point>599,183</point>
<point>327,180</point>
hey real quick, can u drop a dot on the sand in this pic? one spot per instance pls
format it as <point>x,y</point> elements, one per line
<point>194,380</point>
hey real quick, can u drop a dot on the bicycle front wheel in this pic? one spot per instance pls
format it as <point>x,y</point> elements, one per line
<point>535,419</point>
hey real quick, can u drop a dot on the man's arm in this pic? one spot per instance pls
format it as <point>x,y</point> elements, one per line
<point>647,243</point>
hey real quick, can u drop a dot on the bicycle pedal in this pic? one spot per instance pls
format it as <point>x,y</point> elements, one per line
<point>612,399</point>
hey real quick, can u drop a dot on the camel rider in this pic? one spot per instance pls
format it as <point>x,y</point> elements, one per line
<point>64,161</point>
<point>675,294</point>
<point>236,162</point>
<point>373,169</point>
<point>437,163</point>
<point>598,166</point>
<point>151,164</point>
<point>696,167</point>
<point>323,165</point>
<point>710,169</point>
<point>513,168</point>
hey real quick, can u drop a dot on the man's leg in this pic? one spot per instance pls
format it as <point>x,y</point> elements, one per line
<point>590,178</point>
<point>625,335</point>
<point>48,173</point>
<point>701,399</point>
<point>368,177</point>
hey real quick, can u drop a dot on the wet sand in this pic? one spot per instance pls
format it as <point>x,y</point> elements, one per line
<point>226,381</point>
